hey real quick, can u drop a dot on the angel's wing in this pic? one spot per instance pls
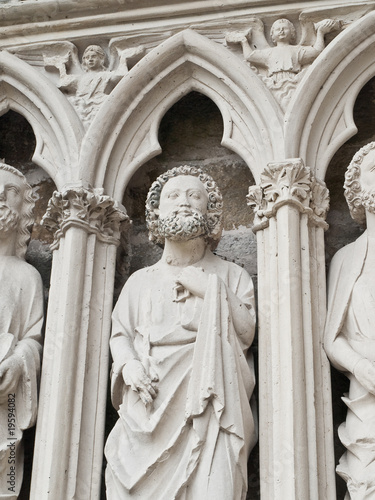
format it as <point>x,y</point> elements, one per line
<point>125,52</point>
<point>254,34</point>
<point>48,55</point>
<point>308,31</point>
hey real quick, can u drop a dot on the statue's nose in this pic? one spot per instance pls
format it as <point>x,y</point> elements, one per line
<point>3,195</point>
<point>184,200</point>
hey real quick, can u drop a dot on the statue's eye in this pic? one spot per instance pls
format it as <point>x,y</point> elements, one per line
<point>13,189</point>
<point>173,195</point>
<point>195,195</point>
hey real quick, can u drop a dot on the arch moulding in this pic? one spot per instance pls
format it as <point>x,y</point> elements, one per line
<point>124,134</point>
<point>320,118</point>
<point>57,128</point>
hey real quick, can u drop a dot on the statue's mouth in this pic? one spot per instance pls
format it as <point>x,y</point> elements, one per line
<point>185,211</point>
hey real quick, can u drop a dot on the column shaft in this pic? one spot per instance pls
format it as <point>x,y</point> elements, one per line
<point>296,447</point>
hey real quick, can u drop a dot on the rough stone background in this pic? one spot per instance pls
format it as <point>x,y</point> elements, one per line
<point>190,133</point>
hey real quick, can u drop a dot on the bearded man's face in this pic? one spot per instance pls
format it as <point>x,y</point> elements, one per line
<point>8,220</point>
<point>183,208</point>
<point>11,201</point>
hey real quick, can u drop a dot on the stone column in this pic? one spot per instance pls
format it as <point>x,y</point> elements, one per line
<point>295,435</point>
<point>70,428</point>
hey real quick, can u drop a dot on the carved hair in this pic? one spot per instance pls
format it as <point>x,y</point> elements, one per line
<point>97,50</point>
<point>353,190</point>
<point>214,205</point>
<point>293,32</point>
<point>26,216</point>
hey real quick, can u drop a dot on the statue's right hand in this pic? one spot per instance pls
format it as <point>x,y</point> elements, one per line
<point>364,372</point>
<point>238,36</point>
<point>135,376</point>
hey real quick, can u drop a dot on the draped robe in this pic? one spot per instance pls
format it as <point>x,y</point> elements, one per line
<point>21,315</point>
<point>194,440</point>
<point>351,314</point>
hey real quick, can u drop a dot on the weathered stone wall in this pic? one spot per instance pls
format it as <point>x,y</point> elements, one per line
<point>190,133</point>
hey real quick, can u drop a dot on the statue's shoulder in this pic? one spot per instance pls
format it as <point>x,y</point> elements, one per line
<point>350,252</point>
<point>20,273</point>
<point>347,264</point>
<point>28,272</point>
<point>225,266</point>
<point>143,274</point>
<point>18,266</point>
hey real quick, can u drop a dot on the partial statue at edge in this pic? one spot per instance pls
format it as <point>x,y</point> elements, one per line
<point>350,333</point>
<point>21,320</point>
<point>181,378</point>
<point>284,61</point>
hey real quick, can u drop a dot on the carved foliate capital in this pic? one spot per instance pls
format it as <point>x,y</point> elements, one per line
<point>289,180</point>
<point>88,209</point>
<point>319,198</point>
<point>288,183</point>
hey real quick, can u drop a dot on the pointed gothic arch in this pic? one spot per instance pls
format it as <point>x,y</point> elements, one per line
<point>320,117</point>
<point>124,134</point>
<point>57,128</point>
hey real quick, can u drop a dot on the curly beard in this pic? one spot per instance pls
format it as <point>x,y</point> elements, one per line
<point>8,219</point>
<point>368,200</point>
<point>181,227</point>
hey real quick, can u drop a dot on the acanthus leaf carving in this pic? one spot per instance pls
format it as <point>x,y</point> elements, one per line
<point>288,182</point>
<point>255,198</point>
<point>319,198</point>
<point>90,209</point>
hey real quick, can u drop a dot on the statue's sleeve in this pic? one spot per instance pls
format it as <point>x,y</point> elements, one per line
<point>29,349</point>
<point>345,268</point>
<point>242,303</point>
<point>122,337</point>
<point>259,57</point>
<point>307,54</point>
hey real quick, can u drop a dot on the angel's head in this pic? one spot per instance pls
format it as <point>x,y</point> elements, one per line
<point>360,183</point>
<point>93,58</point>
<point>283,30</point>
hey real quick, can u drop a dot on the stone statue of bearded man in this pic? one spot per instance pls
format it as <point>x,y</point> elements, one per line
<point>21,320</point>
<point>181,377</point>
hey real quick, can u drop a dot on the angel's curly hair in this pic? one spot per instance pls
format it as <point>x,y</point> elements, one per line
<point>354,193</point>
<point>214,205</point>
<point>293,31</point>
<point>26,216</point>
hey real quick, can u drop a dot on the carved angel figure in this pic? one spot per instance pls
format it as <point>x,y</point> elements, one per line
<point>284,61</point>
<point>21,319</point>
<point>181,380</point>
<point>349,333</point>
<point>89,89</point>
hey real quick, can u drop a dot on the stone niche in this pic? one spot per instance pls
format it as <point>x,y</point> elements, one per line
<point>178,90</point>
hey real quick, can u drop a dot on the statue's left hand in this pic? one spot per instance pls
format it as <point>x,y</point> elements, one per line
<point>10,372</point>
<point>194,279</point>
